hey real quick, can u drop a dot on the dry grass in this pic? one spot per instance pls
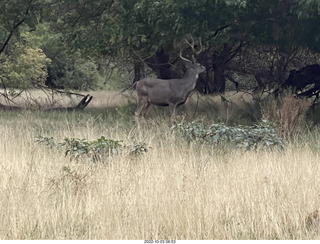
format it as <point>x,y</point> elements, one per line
<point>289,113</point>
<point>176,191</point>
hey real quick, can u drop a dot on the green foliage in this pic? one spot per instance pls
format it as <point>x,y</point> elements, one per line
<point>47,141</point>
<point>81,74</point>
<point>285,24</point>
<point>99,150</point>
<point>76,35</point>
<point>138,148</point>
<point>17,13</point>
<point>148,25</point>
<point>261,135</point>
<point>24,64</point>
<point>68,68</point>
<point>96,150</point>
<point>25,67</point>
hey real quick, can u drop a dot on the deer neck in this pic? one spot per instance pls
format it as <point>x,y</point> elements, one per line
<point>190,79</point>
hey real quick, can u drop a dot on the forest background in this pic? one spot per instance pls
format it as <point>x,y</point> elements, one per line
<point>108,44</point>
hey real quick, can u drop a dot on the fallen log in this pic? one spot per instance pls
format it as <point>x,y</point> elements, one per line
<point>10,108</point>
<point>79,107</point>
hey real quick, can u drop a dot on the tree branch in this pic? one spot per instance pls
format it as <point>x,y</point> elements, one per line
<point>16,26</point>
<point>11,33</point>
<point>61,92</point>
<point>218,30</point>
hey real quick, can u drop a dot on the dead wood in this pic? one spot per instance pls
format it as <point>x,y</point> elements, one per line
<point>79,107</point>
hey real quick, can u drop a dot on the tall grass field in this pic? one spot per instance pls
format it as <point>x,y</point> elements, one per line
<point>176,189</point>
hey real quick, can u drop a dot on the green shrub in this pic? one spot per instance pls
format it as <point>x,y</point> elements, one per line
<point>261,135</point>
<point>98,150</point>
<point>24,68</point>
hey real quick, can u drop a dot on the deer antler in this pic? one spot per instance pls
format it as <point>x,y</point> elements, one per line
<point>183,58</point>
<point>192,45</point>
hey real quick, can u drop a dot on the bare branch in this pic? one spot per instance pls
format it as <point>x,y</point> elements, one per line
<point>16,26</point>
<point>10,34</point>
<point>220,29</point>
<point>62,92</point>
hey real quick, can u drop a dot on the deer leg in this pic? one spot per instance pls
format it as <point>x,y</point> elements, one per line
<point>147,109</point>
<point>142,104</point>
<point>173,108</point>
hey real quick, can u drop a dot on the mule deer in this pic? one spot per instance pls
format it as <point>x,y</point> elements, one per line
<point>172,92</point>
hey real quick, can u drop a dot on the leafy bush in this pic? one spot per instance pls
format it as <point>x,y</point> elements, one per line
<point>95,151</point>
<point>261,135</point>
<point>24,68</point>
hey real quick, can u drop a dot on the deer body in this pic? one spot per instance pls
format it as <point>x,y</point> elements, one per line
<point>172,92</point>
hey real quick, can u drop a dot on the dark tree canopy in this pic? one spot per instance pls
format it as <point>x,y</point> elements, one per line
<point>75,43</point>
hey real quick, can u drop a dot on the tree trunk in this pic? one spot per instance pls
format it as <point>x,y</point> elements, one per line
<point>159,63</point>
<point>205,85</point>
<point>137,67</point>
<point>219,78</point>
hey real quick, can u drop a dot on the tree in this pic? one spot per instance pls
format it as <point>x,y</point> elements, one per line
<point>25,67</point>
<point>282,36</point>
<point>78,34</point>
<point>15,14</point>
<point>23,64</point>
<point>156,31</point>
